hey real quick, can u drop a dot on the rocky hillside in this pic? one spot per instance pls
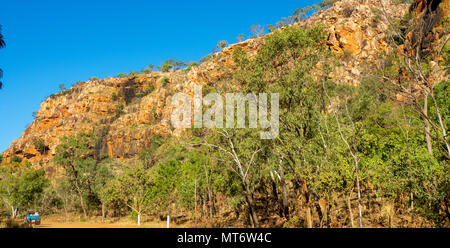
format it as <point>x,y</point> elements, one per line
<point>126,112</point>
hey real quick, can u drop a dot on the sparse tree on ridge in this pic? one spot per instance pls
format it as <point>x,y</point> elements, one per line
<point>222,44</point>
<point>257,30</point>
<point>2,44</point>
<point>240,37</point>
<point>62,87</point>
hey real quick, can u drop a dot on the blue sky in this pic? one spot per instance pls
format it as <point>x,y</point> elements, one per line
<point>61,42</point>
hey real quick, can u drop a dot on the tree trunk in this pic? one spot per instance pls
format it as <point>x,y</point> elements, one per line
<point>329,214</point>
<point>295,188</point>
<point>251,205</point>
<point>350,212</point>
<point>211,205</point>
<point>13,212</point>
<point>65,212</point>
<point>359,194</point>
<point>274,187</point>
<point>427,125</point>
<point>309,221</point>
<point>103,212</point>
<point>319,210</point>
<point>284,194</point>
<point>412,208</point>
<point>306,195</point>
<point>139,219</point>
<point>80,195</point>
<point>195,202</point>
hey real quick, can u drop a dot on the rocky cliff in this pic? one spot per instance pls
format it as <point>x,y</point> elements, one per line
<point>126,112</point>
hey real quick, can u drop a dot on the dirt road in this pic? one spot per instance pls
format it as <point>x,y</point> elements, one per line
<point>99,225</point>
<point>58,222</point>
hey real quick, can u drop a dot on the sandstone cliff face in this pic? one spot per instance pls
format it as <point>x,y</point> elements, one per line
<point>356,31</point>
<point>126,113</point>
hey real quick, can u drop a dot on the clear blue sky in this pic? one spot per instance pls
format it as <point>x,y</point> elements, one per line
<point>61,42</point>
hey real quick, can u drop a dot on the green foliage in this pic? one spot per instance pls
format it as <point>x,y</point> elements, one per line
<point>132,189</point>
<point>40,145</point>
<point>150,89</point>
<point>222,44</point>
<point>148,155</point>
<point>284,65</point>
<point>77,156</point>
<point>446,54</point>
<point>164,81</point>
<point>126,75</point>
<point>396,161</point>
<point>114,96</point>
<point>172,64</point>
<point>389,141</point>
<point>122,75</point>
<point>16,159</point>
<point>103,175</point>
<point>62,93</point>
<point>93,79</point>
<point>180,176</point>
<point>22,189</point>
<point>294,223</point>
<point>119,111</point>
<point>442,91</point>
<point>148,69</point>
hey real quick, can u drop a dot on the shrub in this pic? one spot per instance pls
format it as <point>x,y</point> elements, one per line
<point>148,69</point>
<point>114,96</point>
<point>150,89</point>
<point>119,111</point>
<point>222,44</point>
<point>294,223</point>
<point>166,67</point>
<point>164,81</point>
<point>122,75</point>
<point>16,159</point>
<point>172,64</point>
<point>78,83</point>
<point>39,145</point>
<point>94,78</point>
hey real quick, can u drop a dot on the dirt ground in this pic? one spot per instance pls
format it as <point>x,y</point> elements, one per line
<point>61,222</point>
<point>97,225</point>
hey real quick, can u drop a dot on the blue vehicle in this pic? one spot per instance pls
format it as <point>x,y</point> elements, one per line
<point>33,217</point>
